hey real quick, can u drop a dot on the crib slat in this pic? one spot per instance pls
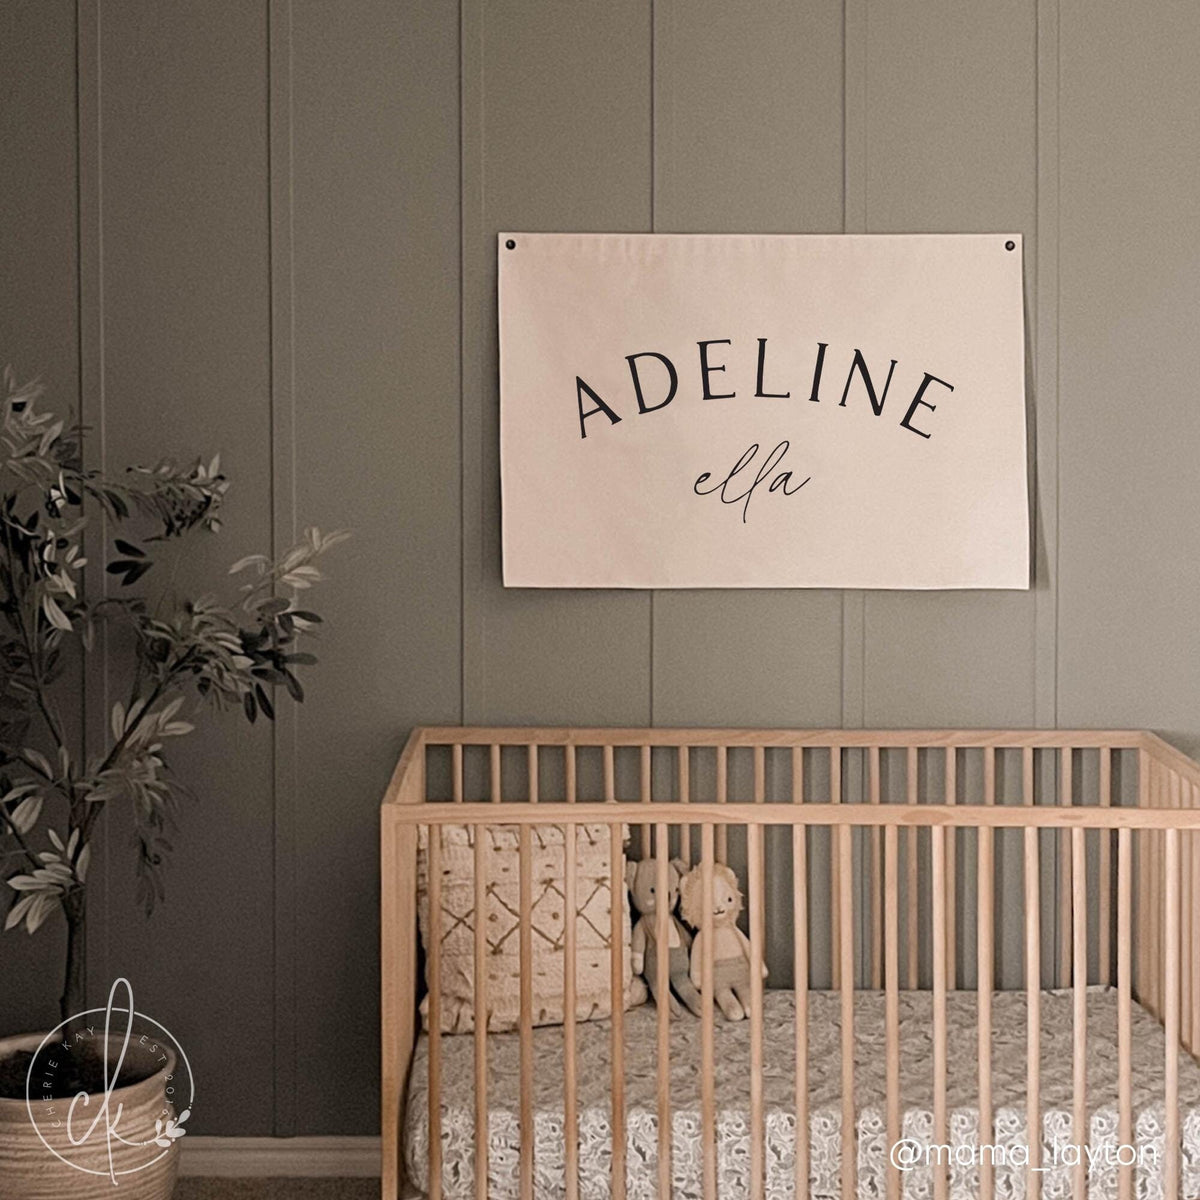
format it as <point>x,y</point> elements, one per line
<point>800,954</point>
<point>435,1010</point>
<point>645,792</point>
<point>1178,800</point>
<point>875,873</point>
<point>525,1025</point>
<point>757,923</point>
<point>1124,1007</point>
<point>708,1120</point>
<point>1079,995</point>
<point>610,776</point>
<point>1171,1006</point>
<point>938,840</point>
<point>1141,970</point>
<point>891,908</point>
<point>951,872</point>
<point>912,844</point>
<point>1152,926</point>
<point>1191,1014</point>
<point>1065,759</point>
<point>662,935</point>
<point>1105,867</point>
<point>984,948</point>
<point>496,794</point>
<point>617,1022</point>
<point>570,952</point>
<point>722,847</point>
<point>1033,999</point>
<point>456,759</point>
<point>481,1014</point>
<point>846,952</point>
<point>835,872</point>
<point>685,795</point>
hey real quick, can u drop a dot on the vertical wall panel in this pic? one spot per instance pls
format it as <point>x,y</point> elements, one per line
<point>185,324</point>
<point>950,147</point>
<point>38,325</point>
<point>1130,424</point>
<point>375,189</point>
<point>748,138</point>
<point>556,135</point>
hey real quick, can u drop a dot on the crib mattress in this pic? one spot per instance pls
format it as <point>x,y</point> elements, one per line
<point>732,1048</point>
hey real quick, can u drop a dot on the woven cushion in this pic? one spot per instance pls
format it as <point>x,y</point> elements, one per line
<point>456,926</point>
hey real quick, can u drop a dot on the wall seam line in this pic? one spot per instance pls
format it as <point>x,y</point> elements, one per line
<point>282,417</point>
<point>474,700</point>
<point>92,411</point>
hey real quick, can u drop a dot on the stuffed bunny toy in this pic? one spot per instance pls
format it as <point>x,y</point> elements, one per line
<point>731,947</point>
<point>642,880</point>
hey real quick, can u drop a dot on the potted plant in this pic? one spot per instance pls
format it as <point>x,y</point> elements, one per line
<point>182,654</point>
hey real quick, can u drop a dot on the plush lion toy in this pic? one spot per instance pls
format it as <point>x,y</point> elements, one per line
<point>731,947</point>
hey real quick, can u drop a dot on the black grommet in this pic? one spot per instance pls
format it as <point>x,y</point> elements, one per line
<point>1007,245</point>
<point>511,245</point>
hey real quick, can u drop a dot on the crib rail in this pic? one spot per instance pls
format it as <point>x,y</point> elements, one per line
<point>893,879</point>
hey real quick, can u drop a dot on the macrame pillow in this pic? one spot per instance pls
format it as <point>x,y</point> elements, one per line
<point>455,925</point>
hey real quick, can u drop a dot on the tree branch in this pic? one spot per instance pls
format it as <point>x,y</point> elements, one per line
<point>29,854</point>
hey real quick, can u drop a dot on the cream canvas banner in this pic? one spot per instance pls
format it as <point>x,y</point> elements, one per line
<point>763,411</point>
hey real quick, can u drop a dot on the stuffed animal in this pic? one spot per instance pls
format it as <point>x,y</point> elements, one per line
<point>731,947</point>
<point>642,880</point>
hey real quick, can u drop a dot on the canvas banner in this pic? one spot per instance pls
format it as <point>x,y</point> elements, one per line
<point>763,411</point>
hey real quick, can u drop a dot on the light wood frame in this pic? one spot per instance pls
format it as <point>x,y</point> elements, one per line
<point>1155,936</point>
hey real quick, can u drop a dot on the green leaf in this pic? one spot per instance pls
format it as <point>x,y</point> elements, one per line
<point>24,816</point>
<point>54,614</point>
<point>264,702</point>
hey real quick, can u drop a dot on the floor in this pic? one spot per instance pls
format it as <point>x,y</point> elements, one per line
<point>276,1189</point>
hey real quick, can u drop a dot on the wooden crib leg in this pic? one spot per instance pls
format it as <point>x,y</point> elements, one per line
<point>398,964</point>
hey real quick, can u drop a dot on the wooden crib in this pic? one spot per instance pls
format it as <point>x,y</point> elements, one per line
<point>936,861</point>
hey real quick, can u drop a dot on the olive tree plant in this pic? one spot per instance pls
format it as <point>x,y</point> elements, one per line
<point>176,654</point>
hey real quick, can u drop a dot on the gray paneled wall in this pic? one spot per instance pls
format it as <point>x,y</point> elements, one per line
<point>267,227</point>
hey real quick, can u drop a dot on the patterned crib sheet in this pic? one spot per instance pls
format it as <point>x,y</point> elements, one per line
<point>732,1055</point>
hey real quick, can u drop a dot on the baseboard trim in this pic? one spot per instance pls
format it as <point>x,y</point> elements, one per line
<point>295,1157</point>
